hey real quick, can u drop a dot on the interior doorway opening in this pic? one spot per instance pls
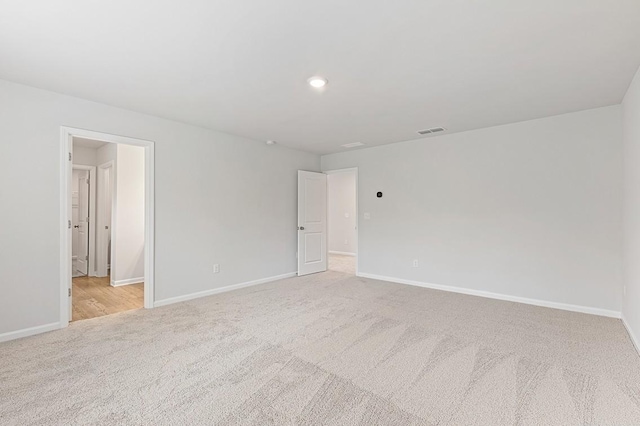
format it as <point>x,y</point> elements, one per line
<point>342,220</point>
<point>107,271</point>
<point>107,234</point>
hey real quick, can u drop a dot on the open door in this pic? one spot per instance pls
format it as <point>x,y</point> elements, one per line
<point>312,222</point>
<point>83,222</point>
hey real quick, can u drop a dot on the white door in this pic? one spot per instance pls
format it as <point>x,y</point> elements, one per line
<point>312,222</point>
<point>83,222</point>
<point>103,233</point>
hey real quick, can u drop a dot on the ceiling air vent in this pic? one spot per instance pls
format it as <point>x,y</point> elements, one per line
<point>352,145</point>
<point>433,130</point>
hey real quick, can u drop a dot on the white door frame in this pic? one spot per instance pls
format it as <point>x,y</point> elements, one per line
<point>91,268</point>
<point>66,154</point>
<point>103,204</point>
<point>355,170</point>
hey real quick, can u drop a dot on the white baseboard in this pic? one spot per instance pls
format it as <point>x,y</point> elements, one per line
<point>632,335</point>
<point>12,335</point>
<point>480,293</point>
<point>213,291</point>
<point>343,253</point>
<point>127,281</point>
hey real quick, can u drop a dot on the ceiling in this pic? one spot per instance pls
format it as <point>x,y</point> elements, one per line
<point>88,143</point>
<point>393,67</point>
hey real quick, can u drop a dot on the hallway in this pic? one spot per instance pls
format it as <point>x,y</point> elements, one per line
<point>342,263</point>
<point>95,297</point>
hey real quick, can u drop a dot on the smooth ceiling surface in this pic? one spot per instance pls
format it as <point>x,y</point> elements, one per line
<point>393,67</point>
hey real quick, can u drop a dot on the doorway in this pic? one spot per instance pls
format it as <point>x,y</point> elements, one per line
<point>342,219</point>
<point>107,237</point>
<point>328,222</point>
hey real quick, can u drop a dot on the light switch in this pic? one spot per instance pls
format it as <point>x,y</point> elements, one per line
<point>346,215</point>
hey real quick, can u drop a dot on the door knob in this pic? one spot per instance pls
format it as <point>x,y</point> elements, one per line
<point>300,228</point>
<point>76,226</point>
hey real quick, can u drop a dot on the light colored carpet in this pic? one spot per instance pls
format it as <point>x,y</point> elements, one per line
<point>342,263</point>
<point>326,349</point>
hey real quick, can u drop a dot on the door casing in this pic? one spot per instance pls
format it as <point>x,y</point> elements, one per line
<point>66,155</point>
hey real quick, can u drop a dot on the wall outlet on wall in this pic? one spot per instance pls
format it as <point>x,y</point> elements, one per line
<point>415,263</point>
<point>216,268</point>
<point>346,215</point>
<point>367,216</point>
<point>346,242</point>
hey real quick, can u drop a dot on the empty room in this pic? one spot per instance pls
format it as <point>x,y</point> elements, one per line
<point>337,213</point>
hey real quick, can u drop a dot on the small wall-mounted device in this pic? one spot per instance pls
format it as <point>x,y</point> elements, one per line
<point>379,195</point>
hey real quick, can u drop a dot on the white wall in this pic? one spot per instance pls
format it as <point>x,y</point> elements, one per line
<point>128,223</point>
<point>219,199</point>
<point>107,152</point>
<point>631,131</point>
<point>530,209</point>
<point>341,206</point>
<point>84,155</point>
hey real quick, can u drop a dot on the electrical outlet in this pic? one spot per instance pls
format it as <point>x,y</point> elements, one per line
<point>367,216</point>
<point>415,263</point>
<point>346,215</point>
<point>346,242</point>
<point>216,268</point>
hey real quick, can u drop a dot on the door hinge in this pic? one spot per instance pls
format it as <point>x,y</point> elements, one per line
<point>69,156</point>
<point>69,224</point>
<point>86,257</point>
<point>69,292</point>
<point>88,180</point>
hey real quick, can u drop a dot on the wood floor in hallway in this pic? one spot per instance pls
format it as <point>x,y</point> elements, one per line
<point>95,297</point>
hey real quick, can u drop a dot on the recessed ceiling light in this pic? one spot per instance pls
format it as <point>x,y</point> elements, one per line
<point>317,82</point>
<point>271,142</point>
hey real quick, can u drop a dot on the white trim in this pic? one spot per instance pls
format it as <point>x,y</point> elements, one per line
<point>213,291</point>
<point>150,226</point>
<point>498,296</point>
<point>66,147</point>
<point>342,253</point>
<point>25,332</point>
<point>357,172</point>
<point>128,281</point>
<point>634,339</point>
<point>91,267</point>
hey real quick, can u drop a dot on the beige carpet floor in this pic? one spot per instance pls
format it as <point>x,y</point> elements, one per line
<point>342,263</point>
<point>326,349</point>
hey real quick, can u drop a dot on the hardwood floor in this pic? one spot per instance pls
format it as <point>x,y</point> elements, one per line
<point>95,297</point>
